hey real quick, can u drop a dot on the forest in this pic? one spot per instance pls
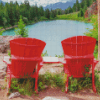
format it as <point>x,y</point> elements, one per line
<point>10,12</point>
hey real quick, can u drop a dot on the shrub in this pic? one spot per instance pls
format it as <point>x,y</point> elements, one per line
<point>21,30</point>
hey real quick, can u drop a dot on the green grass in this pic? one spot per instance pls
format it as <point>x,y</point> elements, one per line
<point>26,86</point>
<point>71,16</point>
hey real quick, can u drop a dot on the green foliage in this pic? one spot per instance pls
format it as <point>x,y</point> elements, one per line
<point>97,81</point>
<point>73,84</point>
<point>68,10</point>
<point>53,13</point>
<point>9,53</point>
<point>96,51</point>
<point>81,13</point>
<point>41,86</point>
<point>94,32</point>
<point>26,86</point>
<point>21,30</point>
<point>77,5</point>
<point>47,13</point>
<point>25,20</point>
<point>41,11</point>
<point>72,16</point>
<point>10,13</point>
<point>54,80</point>
<point>59,11</point>
<point>1,31</point>
<point>59,55</point>
<point>82,7</point>
<point>43,18</point>
<point>44,54</point>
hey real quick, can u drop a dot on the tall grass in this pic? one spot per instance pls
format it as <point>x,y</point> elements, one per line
<point>72,16</point>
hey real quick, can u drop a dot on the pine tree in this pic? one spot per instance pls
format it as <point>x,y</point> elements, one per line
<point>47,13</point>
<point>77,5</point>
<point>21,30</point>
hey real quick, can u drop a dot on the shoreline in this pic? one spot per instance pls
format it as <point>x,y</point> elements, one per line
<point>11,27</point>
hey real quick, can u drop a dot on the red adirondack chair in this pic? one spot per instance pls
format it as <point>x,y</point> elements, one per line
<point>78,53</point>
<point>26,59</point>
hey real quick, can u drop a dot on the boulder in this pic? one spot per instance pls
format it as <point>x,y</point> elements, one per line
<point>5,44</point>
<point>55,98</point>
<point>93,9</point>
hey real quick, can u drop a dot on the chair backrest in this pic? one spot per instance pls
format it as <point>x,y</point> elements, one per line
<point>21,68</point>
<point>26,54</point>
<point>27,47</point>
<point>78,46</point>
<point>78,67</point>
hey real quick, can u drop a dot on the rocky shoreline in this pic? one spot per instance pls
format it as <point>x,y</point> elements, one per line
<point>5,44</point>
<point>7,28</point>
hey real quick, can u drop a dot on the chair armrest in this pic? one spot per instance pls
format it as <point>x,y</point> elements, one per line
<point>95,62</point>
<point>53,60</point>
<point>6,59</point>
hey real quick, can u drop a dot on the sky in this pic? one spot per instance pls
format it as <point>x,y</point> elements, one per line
<point>39,2</point>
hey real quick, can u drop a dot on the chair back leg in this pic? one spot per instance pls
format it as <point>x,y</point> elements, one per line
<point>66,84</point>
<point>93,75</point>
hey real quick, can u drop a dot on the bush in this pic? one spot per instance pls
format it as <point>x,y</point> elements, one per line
<point>26,86</point>
<point>21,30</point>
<point>1,31</point>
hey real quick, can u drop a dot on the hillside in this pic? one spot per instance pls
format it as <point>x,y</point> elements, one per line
<point>93,9</point>
<point>60,5</point>
<point>2,2</point>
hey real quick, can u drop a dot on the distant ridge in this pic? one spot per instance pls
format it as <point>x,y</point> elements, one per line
<point>2,2</point>
<point>60,5</point>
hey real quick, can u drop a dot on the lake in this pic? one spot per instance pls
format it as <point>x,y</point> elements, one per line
<point>53,32</point>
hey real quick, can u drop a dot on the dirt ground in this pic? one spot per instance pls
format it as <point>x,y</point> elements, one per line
<point>86,94</point>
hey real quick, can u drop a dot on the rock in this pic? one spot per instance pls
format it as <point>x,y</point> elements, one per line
<point>50,98</point>
<point>55,98</point>
<point>5,44</point>
<point>13,95</point>
<point>45,86</point>
<point>4,68</point>
<point>2,75</point>
<point>93,9</point>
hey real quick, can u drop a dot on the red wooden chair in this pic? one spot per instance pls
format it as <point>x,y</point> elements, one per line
<point>26,59</point>
<point>78,53</point>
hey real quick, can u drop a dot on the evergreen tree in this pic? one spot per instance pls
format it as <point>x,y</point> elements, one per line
<point>53,13</point>
<point>59,11</point>
<point>21,30</point>
<point>1,31</point>
<point>41,11</point>
<point>85,6</point>
<point>47,13</point>
<point>1,18</point>
<point>81,13</point>
<point>74,8</point>
<point>77,5</point>
<point>11,14</point>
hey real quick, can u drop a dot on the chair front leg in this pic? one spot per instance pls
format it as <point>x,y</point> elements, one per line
<point>8,83</point>
<point>36,78</point>
<point>36,84</point>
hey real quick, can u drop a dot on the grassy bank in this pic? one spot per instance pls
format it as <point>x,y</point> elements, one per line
<point>26,86</point>
<point>72,16</point>
<point>28,23</point>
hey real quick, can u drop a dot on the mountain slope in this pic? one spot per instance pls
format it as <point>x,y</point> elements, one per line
<point>2,2</point>
<point>61,5</point>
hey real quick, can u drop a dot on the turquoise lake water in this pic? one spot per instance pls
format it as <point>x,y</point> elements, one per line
<point>53,32</point>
